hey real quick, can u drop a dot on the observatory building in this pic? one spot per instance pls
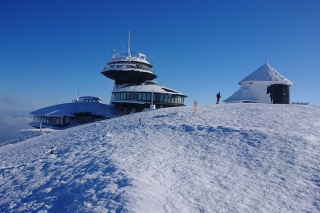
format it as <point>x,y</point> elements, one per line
<point>265,85</point>
<point>134,87</point>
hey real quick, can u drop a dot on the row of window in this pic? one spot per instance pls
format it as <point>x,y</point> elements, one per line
<point>48,119</point>
<point>123,66</point>
<point>146,96</point>
<point>92,100</point>
<point>133,65</point>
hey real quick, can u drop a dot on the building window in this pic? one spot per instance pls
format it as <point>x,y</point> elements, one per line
<point>161,97</point>
<point>157,97</point>
<point>130,96</point>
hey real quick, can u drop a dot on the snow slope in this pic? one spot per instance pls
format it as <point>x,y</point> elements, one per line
<point>224,158</point>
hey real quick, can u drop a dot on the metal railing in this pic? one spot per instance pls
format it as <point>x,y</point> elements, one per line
<point>8,142</point>
<point>23,138</point>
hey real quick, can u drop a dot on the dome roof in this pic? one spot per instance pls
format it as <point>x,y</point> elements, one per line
<point>267,73</point>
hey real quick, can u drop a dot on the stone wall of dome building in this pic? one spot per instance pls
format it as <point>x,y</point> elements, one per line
<point>268,93</point>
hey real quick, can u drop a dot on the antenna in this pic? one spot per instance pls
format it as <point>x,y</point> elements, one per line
<point>77,99</point>
<point>265,60</point>
<point>129,44</point>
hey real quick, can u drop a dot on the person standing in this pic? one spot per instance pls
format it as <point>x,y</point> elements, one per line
<point>195,105</point>
<point>218,98</point>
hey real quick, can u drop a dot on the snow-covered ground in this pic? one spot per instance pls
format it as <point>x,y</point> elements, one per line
<point>224,158</point>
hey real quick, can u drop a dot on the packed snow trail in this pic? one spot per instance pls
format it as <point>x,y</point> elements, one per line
<point>223,158</point>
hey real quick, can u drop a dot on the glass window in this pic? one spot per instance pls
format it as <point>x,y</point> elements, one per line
<point>135,96</point>
<point>144,96</point>
<point>161,97</point>
<point>124,96</point>
<point>130,96</point>
<point>148,96</point>
<point>157,97</point>
<point>139,96</point>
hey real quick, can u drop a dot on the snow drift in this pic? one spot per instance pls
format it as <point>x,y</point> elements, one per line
<point>224,158</point>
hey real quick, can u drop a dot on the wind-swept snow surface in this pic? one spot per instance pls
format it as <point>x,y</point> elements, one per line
<point>224,158</point>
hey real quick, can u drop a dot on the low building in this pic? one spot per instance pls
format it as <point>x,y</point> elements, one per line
<point>84,109</point>
<point>265,85</point>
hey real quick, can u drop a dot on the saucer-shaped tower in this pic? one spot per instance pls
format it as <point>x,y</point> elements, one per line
<point>134,89</point>
<point>126,68</point>
<point>265,85</point>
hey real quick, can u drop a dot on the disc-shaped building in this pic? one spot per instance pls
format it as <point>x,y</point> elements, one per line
<point>265,85</point>
<point>134,88</point>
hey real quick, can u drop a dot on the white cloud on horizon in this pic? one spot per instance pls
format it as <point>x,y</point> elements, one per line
<point>12,122</point>
<point>14,116</point>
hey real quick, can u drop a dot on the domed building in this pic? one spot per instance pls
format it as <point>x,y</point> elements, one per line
<point>85,109</point>
<point>265,85</point>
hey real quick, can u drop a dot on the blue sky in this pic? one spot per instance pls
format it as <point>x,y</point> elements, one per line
<point>50,49</point>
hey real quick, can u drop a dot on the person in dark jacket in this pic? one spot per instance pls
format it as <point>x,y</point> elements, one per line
<point>218,97</point>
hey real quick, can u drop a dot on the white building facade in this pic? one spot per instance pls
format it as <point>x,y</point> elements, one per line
<point>265,85</point>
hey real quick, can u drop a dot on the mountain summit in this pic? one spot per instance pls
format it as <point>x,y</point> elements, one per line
<point>223,158</point>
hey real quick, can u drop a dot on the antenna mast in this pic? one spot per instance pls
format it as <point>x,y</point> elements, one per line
<point>129,44</point>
